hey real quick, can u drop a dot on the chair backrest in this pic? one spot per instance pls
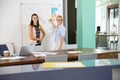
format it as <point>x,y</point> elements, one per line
<point>56,58</point>
<point>3,47</point>
<point>87,56</point>
<point>70,46</point>
<point>119,55</point>
<point>101,41</point>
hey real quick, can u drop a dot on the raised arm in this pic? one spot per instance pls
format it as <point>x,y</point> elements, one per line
<point>52,23</point>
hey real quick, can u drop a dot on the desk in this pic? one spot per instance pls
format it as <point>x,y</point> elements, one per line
<point>101,54</point>
<point>94,70</point>
<point>107,34</point>
<point>105,38</point>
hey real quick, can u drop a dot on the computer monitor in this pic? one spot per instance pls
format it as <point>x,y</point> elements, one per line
<point>3,47</point>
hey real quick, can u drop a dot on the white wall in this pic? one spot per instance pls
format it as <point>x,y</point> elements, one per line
<point>10,23</point>
<point>10,29</point>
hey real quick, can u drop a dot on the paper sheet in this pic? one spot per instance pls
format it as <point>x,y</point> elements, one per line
<point>71,52</point>
<point>38,55</point>
<point>11,58</point>
<point>63,65</point>
<point>43,54</point>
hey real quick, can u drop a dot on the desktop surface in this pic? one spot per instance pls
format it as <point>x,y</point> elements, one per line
<point>71,57</point>
<point>100,62</point>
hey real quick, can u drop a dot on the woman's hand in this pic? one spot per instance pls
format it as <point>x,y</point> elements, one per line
<point>50,20</point>
<point>39,39</point>
<point>53,24</point>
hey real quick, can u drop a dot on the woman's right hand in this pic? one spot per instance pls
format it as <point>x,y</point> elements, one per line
<point>40,39</point>
<point>50,20</point>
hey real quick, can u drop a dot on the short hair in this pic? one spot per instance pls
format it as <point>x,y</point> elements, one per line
<point>59,16</point>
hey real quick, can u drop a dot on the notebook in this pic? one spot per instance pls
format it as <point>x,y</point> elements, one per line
<point>26,50</point>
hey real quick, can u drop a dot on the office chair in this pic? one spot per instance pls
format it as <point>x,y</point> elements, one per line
<point>56,58</point>
<point>87,56</point>
<point>70,46</point>
<point>3,47</point>
<point>114,43</point>
<point>101,42</point>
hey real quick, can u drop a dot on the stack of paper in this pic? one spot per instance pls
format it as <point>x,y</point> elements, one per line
<point>63,65</point>
<point>11,58</point>
<point>43,54</point>
<point>71,52</point>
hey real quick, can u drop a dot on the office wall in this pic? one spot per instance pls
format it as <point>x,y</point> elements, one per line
<point>10,28</point>
<point>10,20</point>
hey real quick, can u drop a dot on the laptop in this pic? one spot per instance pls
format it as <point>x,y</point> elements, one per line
<point>26,50</point>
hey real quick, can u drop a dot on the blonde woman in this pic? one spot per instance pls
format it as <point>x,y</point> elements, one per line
<point>59,32</point>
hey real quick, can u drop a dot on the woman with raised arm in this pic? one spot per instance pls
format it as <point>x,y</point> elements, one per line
<point>59,32</point>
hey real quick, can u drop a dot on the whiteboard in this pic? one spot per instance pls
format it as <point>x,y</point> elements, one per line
<point>44,11</point>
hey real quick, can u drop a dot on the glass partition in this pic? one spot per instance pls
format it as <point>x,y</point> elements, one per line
<point>107,24</point>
